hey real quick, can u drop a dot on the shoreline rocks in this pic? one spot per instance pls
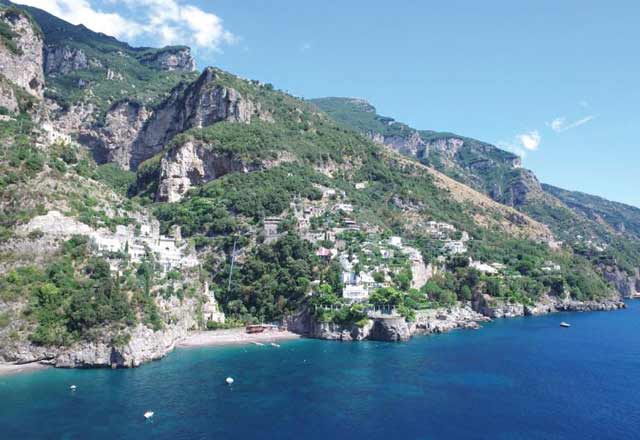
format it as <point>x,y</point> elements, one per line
<point>441,320</point>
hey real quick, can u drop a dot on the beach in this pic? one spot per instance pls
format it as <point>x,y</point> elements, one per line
<point>9,369</point>
<point>233,337</point>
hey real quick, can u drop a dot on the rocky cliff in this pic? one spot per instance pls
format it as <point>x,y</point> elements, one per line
<point>192,164</point>
<point>143,344</point>
<point>21,52</point>
<point>170,59</point>
<point>62,60</point>
<point>132,132</point>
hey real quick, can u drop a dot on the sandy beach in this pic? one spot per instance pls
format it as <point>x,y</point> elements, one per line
<point>234,336</point>
<point>8,369</point>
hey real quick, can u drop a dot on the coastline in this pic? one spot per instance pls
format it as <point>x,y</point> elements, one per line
<point>11,369</point>
<point>237,336</point>
<point>392,330</point>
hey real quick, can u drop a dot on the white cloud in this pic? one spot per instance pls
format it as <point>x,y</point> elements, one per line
<point>305,47</point>
<point>530,140</point>
<point>522,143</point>
<point>560,124</point>
<point>166,22</point>
<point>81,12</point>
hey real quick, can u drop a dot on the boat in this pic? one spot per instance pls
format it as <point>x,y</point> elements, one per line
<point>229,380</point>
<point>257,343</point>
<point>565,324</point>
<point>148,414</point>
<point>72,387</point>
<point>256,328</point>
<point>273,344</point>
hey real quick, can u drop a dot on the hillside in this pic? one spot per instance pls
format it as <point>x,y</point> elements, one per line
<point>580,220</point>
<point>137,195</point>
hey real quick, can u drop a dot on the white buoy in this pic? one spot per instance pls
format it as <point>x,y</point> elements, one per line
<point>72,387</point>
<point>229,380</point>
<point>148,414</point>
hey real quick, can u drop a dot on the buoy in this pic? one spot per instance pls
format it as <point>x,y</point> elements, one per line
<point>72,387</point>
<point>229,380</point>
<point>148,414</point>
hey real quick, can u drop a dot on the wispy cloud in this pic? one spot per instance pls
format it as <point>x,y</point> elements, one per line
<point>522,143</point>
<point>561,124</point>
<point>165,21</point>
<point>304,47</point>
<point>530,140</point>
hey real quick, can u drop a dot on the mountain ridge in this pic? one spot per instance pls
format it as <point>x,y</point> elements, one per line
<point>170,200</point>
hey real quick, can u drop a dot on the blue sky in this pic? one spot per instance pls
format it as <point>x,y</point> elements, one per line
<point>555,80</point>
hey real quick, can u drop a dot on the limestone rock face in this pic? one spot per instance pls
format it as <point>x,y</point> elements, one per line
<point>192,164</point>
<point>171,59</point>
<point>63,60</point>
<point>116,140</point>
<point>144,344</point>
<point>304,324</point>
<point>499,308</point>
<point>390,329</point>
<point>22,65</point>
<point>8,98</point>
<point>445,320</point>
<point>200,104</point>
<point>627,285</point>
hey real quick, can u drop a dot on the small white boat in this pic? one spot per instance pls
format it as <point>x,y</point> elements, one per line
<point>229,380</point>
<point>565,324</point>
<point>273,344</point>
<point>257,343</point>
<point>148,414</point>
<point>72,387</point>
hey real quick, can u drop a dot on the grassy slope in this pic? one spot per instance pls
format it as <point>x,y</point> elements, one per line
<point>568,214</point>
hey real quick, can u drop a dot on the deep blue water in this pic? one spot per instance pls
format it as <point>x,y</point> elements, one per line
<point>515,379</point>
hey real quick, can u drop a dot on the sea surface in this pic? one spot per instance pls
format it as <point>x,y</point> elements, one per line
<point>523,378</point>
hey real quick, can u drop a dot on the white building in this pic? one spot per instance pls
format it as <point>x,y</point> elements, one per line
<point>355,293</point>
<point>395,241</point>
<point>483,267</point>
<point>345,207</point>
<point>454,247</point>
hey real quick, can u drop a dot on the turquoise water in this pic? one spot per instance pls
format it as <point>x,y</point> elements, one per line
<point>515,379</point>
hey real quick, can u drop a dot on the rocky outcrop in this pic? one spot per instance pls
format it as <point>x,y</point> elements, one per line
<point>8,97</point>
<point>192,164</point>
<point>170,59</point>
<point>516,191</point>
<point>132,133</point>
<point>446,319</point>
<point>144,344</point>
<point>62,60</point>
<point>116,140</point>
<point>303,323</point>
<point>501,308</point>
<point>200,104</point>
<point>21,52</point>
<point>392,329</point>
<point>627,285</point>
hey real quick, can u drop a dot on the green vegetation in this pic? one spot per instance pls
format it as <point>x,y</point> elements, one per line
<point>75,296</point>
<point>271,283</point>
<point>115,177</point>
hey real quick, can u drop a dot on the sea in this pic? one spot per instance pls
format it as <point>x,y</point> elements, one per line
<point>523,378</point>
